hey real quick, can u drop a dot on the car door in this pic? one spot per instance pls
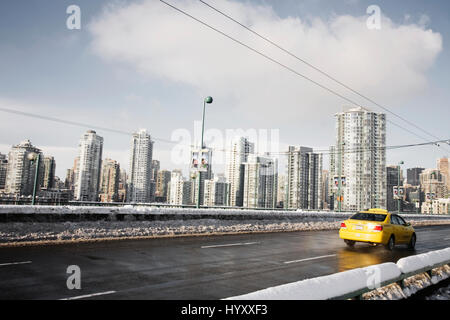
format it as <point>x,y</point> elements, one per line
<point>398,231</point>
<point>406,230</point>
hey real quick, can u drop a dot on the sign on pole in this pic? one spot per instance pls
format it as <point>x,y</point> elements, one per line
<point>200,160</point>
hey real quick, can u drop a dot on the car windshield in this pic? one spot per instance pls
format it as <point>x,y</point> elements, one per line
<point>369,217</point>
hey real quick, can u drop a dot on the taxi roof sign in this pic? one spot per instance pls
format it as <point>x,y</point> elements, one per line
<point>376,210</point>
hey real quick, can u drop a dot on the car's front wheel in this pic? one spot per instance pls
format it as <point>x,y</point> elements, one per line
<point>391,244</point>
<point>412,242</point>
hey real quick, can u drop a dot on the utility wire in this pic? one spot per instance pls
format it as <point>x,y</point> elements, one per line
<point>318,151</point>
<point>80,124</point>
<point>281,64</point>
<point>75,123</point>
<point>317,69</point>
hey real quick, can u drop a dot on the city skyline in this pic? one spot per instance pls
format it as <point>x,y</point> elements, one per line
<point>86,82</point>
<point>367,181</point>
<point>225,150</point>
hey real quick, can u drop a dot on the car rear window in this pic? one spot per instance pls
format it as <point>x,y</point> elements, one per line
<point>369,216</point>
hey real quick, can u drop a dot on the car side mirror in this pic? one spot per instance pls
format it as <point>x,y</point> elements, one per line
<point>408,224</point>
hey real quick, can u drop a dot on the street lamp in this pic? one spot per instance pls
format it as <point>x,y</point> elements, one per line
<point>35,157</point>
<point>398,188</point>
<point>207,100</point>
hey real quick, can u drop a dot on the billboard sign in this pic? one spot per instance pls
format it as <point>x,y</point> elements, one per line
<point>336,181</point>
<point>200,160</point>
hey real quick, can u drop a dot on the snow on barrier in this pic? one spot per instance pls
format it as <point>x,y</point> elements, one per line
<point>423,261</point>
<point>9,212</point>
<point>355,282</point>
<point>81,213</point>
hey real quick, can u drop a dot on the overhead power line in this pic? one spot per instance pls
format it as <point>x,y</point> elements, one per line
<point>75,123</point>
<point>283,65</point>
<point>317,69</point>
<point>273,153</point>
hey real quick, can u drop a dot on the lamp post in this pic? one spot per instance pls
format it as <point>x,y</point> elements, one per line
<point>35,157</point>
<point>398,188</point>
<point>207,100</point>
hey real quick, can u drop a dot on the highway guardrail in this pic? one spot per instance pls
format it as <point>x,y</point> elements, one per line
<point>352,284</point>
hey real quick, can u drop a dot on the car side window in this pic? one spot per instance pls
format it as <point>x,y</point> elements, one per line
<point>394,220</point>
<point>401,220</point>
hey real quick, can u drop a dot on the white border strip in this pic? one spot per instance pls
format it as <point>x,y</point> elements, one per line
<point>89,295</point>
<point>309,259</point>
<point>230,245</point>
<point>14,263</point>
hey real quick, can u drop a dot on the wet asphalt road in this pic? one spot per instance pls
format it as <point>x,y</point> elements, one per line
<point>206,267</point>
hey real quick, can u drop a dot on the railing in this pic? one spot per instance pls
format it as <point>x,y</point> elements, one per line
<point>358,294</point>
<point>122,204</point>
<point>354,283</point>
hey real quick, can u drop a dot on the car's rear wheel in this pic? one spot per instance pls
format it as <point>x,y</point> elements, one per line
<point>391,244</point>
<point>350,243</point>
<point>412,242</point>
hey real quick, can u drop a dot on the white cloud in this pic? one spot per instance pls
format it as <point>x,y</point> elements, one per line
<point>389,65</point>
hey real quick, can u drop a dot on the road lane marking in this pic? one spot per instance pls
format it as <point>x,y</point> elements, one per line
<point>309,259</point>
<point>446,238</point>
<point>89,295</point>
<point>230,245</point>
<point>13,263</point>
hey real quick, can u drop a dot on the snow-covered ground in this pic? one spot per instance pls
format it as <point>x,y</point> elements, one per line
<point>152,210</point>
<point>42,231</point>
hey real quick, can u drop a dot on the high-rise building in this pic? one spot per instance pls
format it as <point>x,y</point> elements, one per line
<point>392,177</point>
<point>433,184</point>
<point>122,192</point>
<point>304,179</point>
<point>281,191</point>
<point>87,172</point>
<point>216,192</point>
<point>240,149</point>
<point>162,185</point>
<point>413,176</point>
<point>3,170</point>
<point>359,161</point>
<point>437,206</point>
<point>140,173</point>
<point>69,182</point>
<point>109,181</point>
<point>260,182</point>
<point>180,190</point>
<point>21,170</point>
<point>443,167</point>
<point>331,179</point>
<point>153,184</point>
<point>155,169</point>
<point>325,188</point>
<point>49,173</point>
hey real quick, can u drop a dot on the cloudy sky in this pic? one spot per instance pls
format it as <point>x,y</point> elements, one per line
<point>141,64</point>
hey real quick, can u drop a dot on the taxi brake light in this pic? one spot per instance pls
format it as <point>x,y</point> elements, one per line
<point>378,228</point>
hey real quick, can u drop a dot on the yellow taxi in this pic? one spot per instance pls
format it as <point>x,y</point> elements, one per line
<point>377,226</point>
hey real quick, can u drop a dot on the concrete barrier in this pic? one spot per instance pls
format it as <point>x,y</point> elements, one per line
<point>27,213</point>
<point>353,283</point>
